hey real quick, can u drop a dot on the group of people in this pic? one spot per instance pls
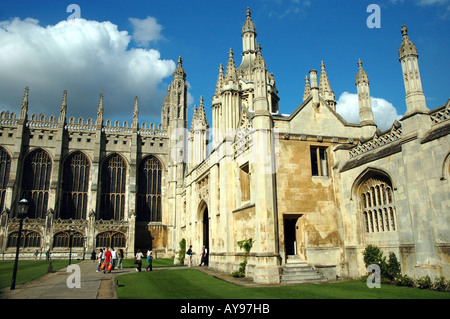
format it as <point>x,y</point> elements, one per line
<point>138,260</point>
<point>109,259</point>
<point>204,256</point>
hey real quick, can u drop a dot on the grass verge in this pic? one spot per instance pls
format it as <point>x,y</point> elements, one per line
<point>193,284</point>
<point>28,270</point>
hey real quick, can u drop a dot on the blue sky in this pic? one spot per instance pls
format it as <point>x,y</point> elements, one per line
<point>129,48</point>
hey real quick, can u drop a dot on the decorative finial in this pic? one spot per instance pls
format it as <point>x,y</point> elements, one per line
<point>360,63</point>
<point>404,31</point>
<point>230,53</point>
<point>180,61</point>
<point>322,65</point>
<point>248,12</point>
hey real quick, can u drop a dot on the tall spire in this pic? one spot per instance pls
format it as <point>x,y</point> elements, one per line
<point>100,111</point>
<point>307,91</point>
<point>325,87</point>
<point>365,106</point>
<point>249,47</point>
<point>135,113</point>
<point>201,112</point>
<point>248,24</point>
<point>219,80</point>
<point>63,109</point>
<point>231,67</point>
<point>24,106</point>
<point>408,57</point>
<point>179,71</point>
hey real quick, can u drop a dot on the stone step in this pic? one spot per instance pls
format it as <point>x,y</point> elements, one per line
<point>306,281</point>
<point>297,271</point>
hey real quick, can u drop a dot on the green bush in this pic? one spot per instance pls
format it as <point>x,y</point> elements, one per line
<point>440,284</point>
<point>182,251</point>
<point>424,282</point>
<point>372,255</point>
<point>404,281</point>
<point>392,268</point>
<point>389,269</point>
<point>247,246</point>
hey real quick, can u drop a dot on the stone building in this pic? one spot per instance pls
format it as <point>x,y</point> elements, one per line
<point>308,185</point>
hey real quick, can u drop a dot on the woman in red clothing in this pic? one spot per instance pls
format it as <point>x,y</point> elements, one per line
<point>107,260</point>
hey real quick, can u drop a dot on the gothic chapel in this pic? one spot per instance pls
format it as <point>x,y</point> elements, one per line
<point>309,188</point>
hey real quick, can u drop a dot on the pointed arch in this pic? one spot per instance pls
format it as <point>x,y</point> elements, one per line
<point>113,184</point>
<point>5,167</point>
<point>76,175</point>
<point>149,198</point>
<point>374,190</point>
<point>36,182</point>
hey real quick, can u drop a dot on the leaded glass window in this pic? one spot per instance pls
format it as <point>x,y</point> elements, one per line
<point>75,187</point>
<point>112,205</point>
<point>36,182</point>
<point>149,190</point>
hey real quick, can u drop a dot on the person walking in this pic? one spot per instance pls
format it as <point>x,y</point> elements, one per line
<point>99,259</point>
<point>119,258</point>
<point>114,257</point>
<point>139,256</point>
<point>149,260</point>
<point>204,256</point>
<point>108,260</point>
<point>189,253</point>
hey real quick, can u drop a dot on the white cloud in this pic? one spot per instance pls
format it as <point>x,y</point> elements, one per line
<point>146,30</point>
<point>384,112</point>
<point>84,57</point>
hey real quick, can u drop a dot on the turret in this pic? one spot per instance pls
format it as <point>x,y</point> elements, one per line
<point>365,106</point>
<point>408,57</point>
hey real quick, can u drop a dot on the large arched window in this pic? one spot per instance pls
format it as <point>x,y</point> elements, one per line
<point>36,182</point>
<point>62,239</point>
<point>378,206</point>
<point>75,187</point>
<point>110,239</point>
<point>5,166</point>
<point>149,190</point>
<point>114,172</point>
<point>27,239</point>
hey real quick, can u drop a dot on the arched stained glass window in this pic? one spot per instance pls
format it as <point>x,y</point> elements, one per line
<point>110,239</point>
<point>75,187</point>
<point>149,190</point>
<point>27,239</point>
<point>114,171</point>
<point>36,182</point>
<point>378,213</point>
<point>5,166</point>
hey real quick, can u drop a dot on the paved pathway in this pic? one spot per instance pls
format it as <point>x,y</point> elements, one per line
<point>54,285</point>
<point>94,285</point>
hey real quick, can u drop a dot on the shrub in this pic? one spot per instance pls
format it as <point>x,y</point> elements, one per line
<point>424,282</point>
<point>372,255</point>
<point>392,268</point>
<point>441,284</point>
<point>404,281</point>
<point>247,246</point>
<point>389,269</point>
<point>182,251</point>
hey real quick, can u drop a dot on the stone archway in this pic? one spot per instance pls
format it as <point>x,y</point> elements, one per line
<point>205,231</point>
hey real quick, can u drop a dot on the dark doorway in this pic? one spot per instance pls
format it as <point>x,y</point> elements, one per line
<point>206,232</point>
<point>143,238</point>
<point>290,235</point>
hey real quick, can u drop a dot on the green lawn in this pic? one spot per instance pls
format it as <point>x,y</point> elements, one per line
<point>158,262</point>
<point>28,270</point>
<point>193,284</point>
